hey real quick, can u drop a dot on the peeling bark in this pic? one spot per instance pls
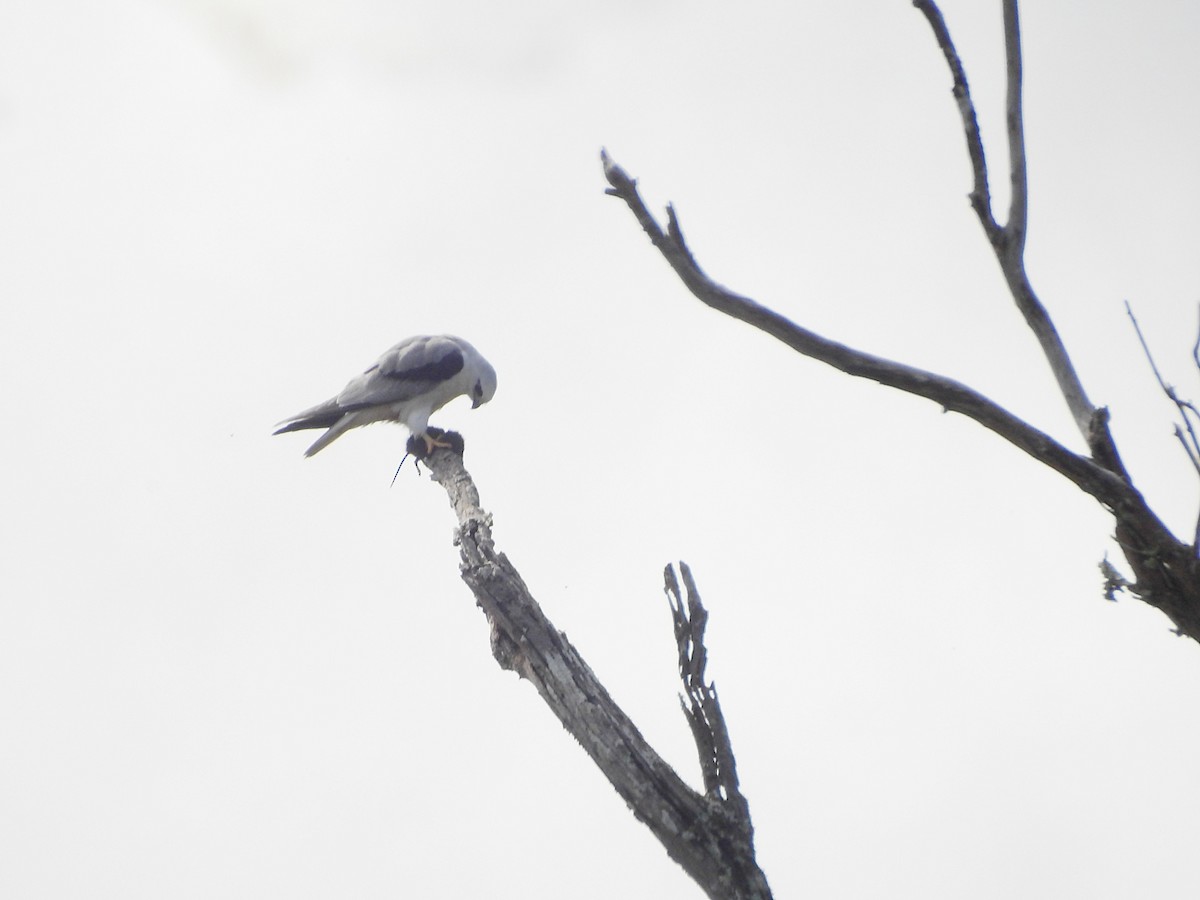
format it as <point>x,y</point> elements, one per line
<point>708,834</point>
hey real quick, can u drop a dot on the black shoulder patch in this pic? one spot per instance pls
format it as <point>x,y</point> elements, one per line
<point>439,370</point>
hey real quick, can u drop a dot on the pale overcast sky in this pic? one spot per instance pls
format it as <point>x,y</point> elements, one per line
<point>228,671</point>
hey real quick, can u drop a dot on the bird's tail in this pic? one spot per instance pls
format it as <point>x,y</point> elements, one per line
<point>326,415</point>
<point>335,431</point>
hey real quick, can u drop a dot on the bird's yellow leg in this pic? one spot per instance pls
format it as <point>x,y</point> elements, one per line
<point>431,442</point>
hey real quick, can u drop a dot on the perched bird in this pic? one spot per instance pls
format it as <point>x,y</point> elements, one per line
<point>411,380</point>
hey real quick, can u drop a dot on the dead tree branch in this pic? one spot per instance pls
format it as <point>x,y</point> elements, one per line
<point>1008,241</point>
<point>951,395</point>
<point>1167,573</point>
<point>1018,209</point>
<point>1168,577</point>
<point>707,834</point>
<point>1187,413</point>
<point>980,196</point>
<point>1187,409</point>
<point>701,706</point>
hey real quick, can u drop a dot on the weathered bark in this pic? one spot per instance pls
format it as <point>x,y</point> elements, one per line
<point>1166,570</point>
<point>708,834</point>
<point>699,701</point>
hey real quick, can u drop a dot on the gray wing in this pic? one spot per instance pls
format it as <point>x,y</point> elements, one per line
<point>414,367</point>
<point>411,368</point>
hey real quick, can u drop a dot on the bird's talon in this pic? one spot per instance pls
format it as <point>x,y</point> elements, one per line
<point>422,445</point>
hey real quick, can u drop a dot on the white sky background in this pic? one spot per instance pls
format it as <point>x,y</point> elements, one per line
<point>228,671</point>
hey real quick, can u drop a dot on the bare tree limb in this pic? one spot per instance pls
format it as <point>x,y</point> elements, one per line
<point>1187,412</point>
<point>980,196</point>
<point>1191,446</point>
<point>709,836</point>
<point>702,706</point>
<point>1168,576</point>
<point>950,394</point>
<point>1008,242</point>
<point>1167,570</point>
<point>689,621</point>
<point>1018,210</point>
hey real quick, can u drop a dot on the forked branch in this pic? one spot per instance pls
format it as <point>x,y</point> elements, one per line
<point>1187,409</point>
<point>1168,574</point>
<point>709,836</point>
<point>1008,241</point>
<point>1188,413</point>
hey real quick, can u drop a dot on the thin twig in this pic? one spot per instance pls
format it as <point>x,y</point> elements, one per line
<point>1190,444</point>
<point>1187,412</point>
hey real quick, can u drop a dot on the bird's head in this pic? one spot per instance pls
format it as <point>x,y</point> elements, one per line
<point>484,387</point>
